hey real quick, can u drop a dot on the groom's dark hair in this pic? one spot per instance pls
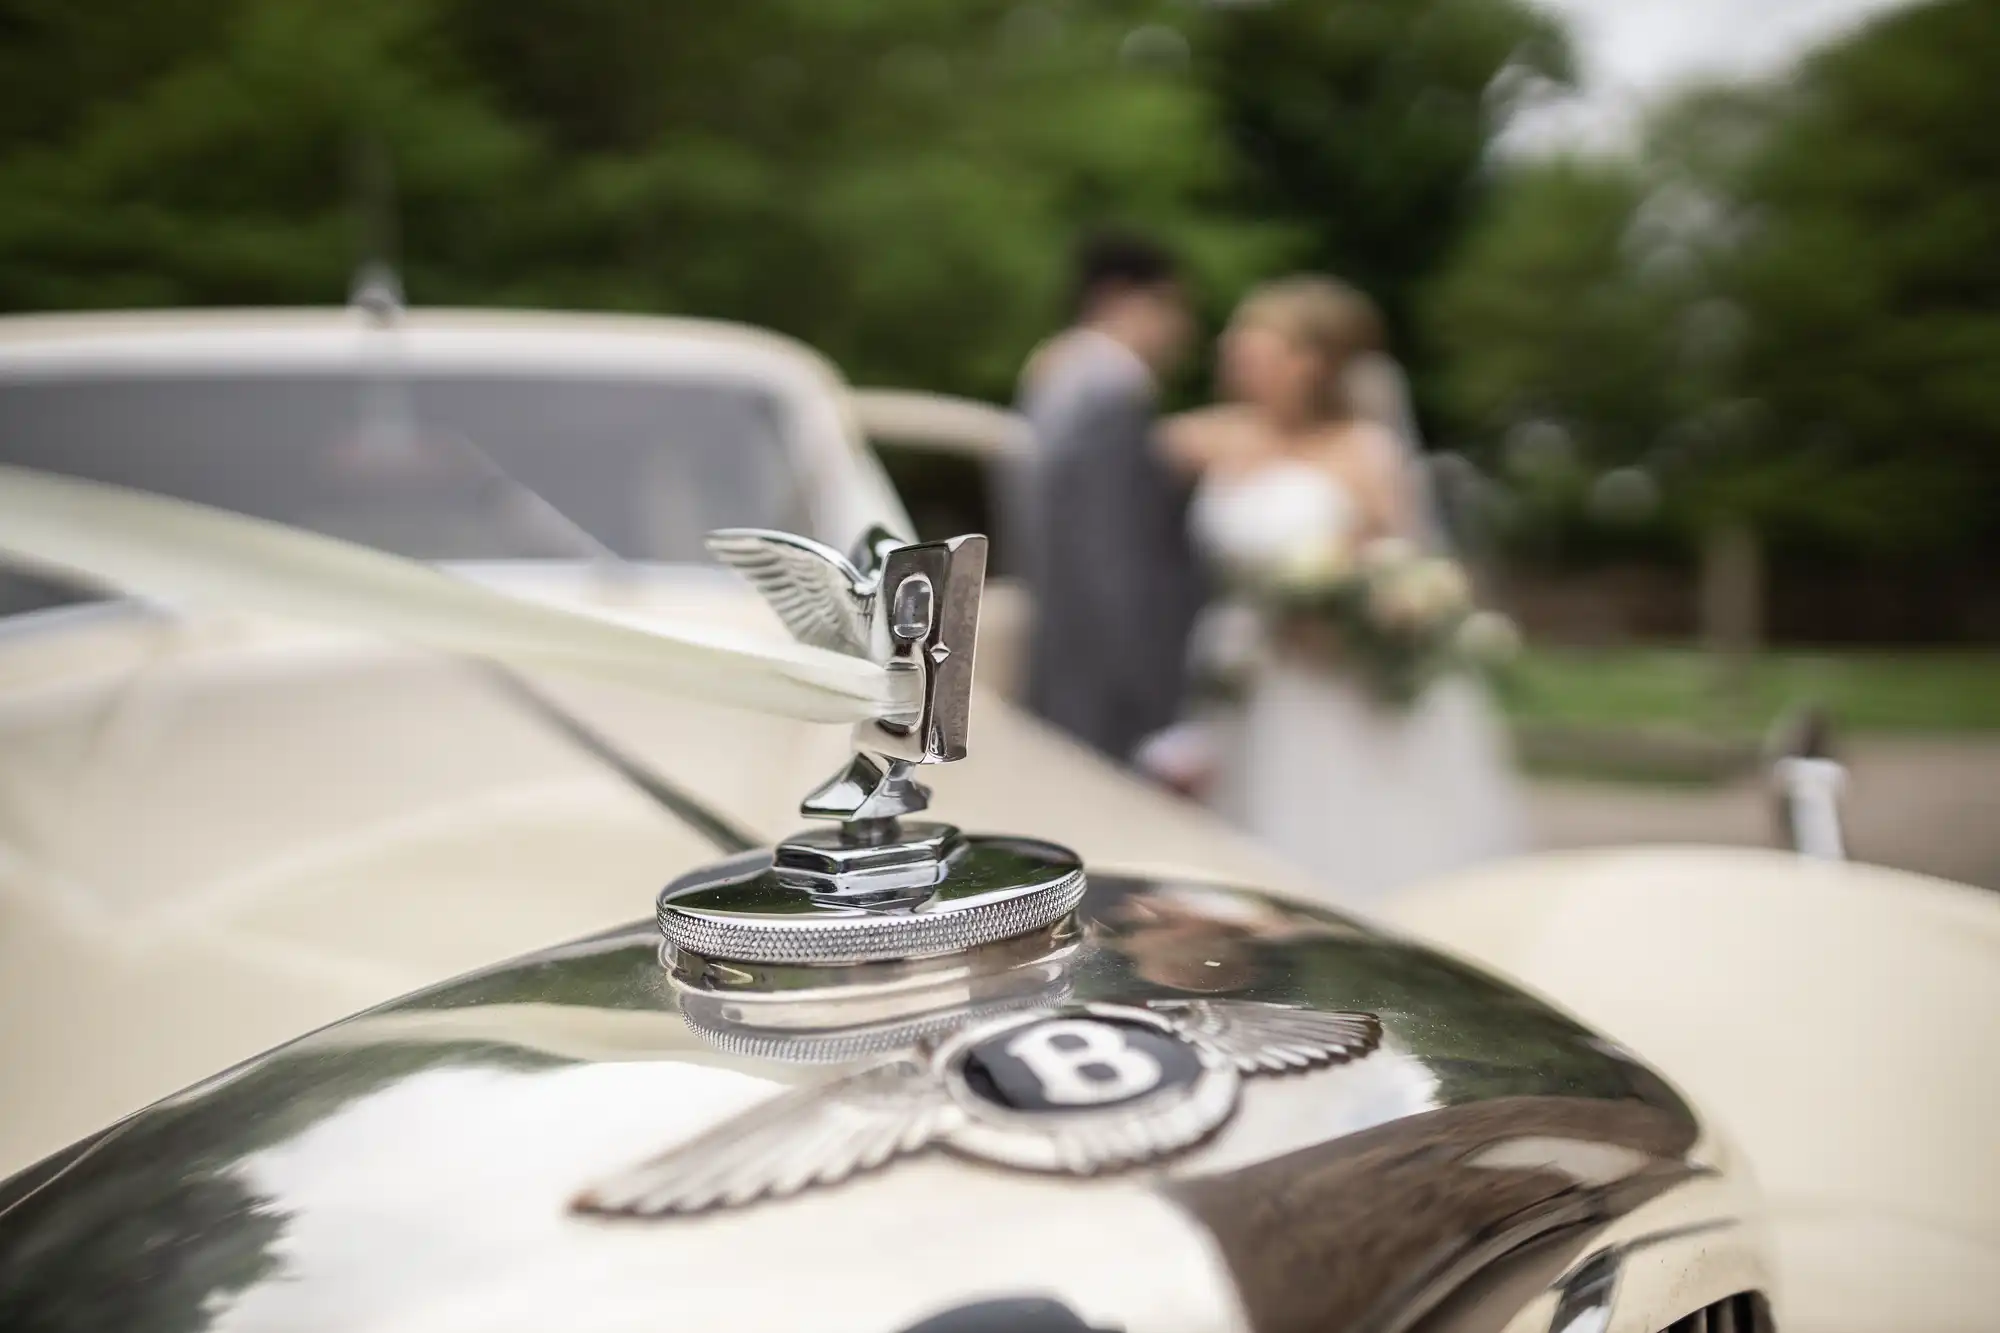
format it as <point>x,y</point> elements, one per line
<point>1110,261</point>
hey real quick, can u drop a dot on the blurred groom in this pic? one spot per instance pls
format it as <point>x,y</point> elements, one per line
<point>1116,588</point>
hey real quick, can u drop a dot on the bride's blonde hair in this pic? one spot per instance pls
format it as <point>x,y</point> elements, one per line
<point>1325,316</point>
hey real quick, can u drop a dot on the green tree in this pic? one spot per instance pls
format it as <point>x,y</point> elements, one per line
<point>1365,125</point>
<point>219,169</point>
<point>897,181</point>
<point>1596,347</point>
<point>1782,304</point>
<point>1873,290</point>
<point>1546,322</point>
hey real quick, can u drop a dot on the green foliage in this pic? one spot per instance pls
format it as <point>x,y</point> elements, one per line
<point>222,171</point>
<point>1545,318</point>
<point>1784,306</point>
<point>1874,284</point>
<point>896,181</point>
<point>1663,687</point>
<point>1363,124</point>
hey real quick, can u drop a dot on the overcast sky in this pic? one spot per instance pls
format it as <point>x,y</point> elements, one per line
<point>1630,51</point>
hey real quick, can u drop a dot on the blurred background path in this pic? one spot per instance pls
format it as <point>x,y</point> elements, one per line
<point>1930,804</point>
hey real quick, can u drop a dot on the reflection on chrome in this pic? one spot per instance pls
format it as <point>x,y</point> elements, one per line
<point>1491,1164</point>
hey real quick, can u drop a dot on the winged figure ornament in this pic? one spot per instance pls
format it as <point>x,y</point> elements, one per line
<point>1077,1090</point>
<point>912,608</point>
<point>873,887</point>
<point>821,597</point>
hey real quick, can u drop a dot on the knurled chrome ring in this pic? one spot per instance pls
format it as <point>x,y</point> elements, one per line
<point>867,939</point>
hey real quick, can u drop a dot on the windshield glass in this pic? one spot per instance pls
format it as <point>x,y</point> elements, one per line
<point>438,467</point>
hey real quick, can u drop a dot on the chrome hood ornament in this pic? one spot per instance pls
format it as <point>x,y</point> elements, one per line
<point>914,608</point>
<point>874,886</point>
<point>879,929</point>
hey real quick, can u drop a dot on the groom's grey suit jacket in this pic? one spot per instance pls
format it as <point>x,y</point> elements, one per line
<point>1108,558</point>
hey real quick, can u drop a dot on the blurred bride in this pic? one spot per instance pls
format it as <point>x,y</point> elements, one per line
<point>1310,467</point>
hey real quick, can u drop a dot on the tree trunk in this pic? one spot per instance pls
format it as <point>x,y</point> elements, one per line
<point>1732,597</point>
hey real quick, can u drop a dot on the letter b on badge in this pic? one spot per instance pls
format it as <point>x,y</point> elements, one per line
<point>1081,1063</point>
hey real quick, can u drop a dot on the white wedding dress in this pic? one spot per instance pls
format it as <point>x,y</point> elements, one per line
<point>1365,795</point>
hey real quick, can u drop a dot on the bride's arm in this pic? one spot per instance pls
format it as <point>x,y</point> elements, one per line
<point>1191,442</point>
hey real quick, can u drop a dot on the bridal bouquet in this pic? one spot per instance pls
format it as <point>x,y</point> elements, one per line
<point>1397,615</point>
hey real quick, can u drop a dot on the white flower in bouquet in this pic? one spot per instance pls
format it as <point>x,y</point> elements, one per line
<point>1396,600</point>
<point>1408,590</point>
<point>1488,638</point>
<point>1384,554</point>
<point>1441,590</point>
<point>1314,567</point>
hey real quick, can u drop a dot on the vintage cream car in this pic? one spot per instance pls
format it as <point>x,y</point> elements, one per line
<point>1094,1063</point>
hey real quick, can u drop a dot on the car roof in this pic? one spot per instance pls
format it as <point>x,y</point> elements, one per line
<point>257,340</point>
<point>940,421</point>
<point>543,344</point>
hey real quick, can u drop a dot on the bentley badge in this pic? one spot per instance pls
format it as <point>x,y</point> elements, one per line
<point>1078,1090</point>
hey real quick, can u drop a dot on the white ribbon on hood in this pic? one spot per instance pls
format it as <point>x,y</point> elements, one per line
<point>175,551</point>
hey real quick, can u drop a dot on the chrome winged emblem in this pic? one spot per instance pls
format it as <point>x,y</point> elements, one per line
<point>911,606</point>
<point>816,591</point>
<point>1271,1038</point>
<point>1076,1090</point>
<point>876,887</point>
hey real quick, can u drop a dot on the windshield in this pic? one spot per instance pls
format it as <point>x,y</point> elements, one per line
<point>437,467</point>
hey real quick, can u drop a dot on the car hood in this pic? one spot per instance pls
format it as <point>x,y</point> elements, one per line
<point>217,832</point>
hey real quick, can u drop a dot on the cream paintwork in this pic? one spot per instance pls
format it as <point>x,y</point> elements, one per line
<point>1842,1022</point>
<point>216,833</point>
